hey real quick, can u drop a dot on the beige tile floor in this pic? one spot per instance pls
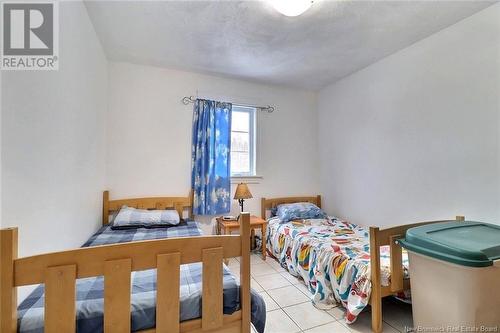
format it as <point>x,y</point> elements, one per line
<point>289,309</point>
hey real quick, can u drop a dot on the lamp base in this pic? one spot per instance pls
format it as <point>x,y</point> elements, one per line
<point>241,201</point>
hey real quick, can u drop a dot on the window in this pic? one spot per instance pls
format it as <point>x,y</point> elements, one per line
<point>243,141</point>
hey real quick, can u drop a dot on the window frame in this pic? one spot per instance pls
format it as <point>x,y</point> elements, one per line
<point>252,112</point>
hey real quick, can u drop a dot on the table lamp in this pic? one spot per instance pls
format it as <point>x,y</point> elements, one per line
<point>242,193</point>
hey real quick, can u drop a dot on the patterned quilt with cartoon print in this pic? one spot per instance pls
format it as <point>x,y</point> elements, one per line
<point>332,257</point>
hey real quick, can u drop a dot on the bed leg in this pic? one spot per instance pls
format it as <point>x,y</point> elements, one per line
<point>376,295</point>
<point>245,272</point>
<point>376,315</point>
<point>8,291</point>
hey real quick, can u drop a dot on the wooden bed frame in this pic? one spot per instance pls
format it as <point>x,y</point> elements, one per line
<point>378,237</point>
<point>59,271</point>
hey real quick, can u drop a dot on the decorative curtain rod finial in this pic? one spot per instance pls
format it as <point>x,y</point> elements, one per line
<point>188,99</point>
<point>268,109</point>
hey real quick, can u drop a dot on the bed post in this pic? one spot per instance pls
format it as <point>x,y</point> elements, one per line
<point>179,207</point>
<point>376,295</point>
<point>263,208</point>
<point>8,291</point>
<point>318,201</point>
<point>105,207</point>
<point>191,202</point>
<point>245,272</point>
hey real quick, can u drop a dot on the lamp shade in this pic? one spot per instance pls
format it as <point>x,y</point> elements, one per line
<point>242,192</point>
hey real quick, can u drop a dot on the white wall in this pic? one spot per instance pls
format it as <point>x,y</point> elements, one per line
<point>149,133</point>
<point>416,135</point>
<point>52,142</point>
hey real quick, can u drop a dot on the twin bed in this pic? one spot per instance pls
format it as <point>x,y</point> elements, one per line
<point>142,280</point>
<point>173,279</point>
<point>340,262</point>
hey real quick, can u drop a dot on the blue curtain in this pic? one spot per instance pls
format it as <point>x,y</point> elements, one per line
<point>210,176</point>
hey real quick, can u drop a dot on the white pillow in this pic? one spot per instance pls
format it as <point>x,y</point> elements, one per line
<point>132,217</point>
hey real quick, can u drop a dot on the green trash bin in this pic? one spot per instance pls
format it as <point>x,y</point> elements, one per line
<point>455,276</point>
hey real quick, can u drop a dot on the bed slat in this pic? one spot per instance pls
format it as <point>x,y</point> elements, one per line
<point>60,299</point>
<point>167,295</point>
<point>212,301</point>
<point>231,325</point>
<point>117,295</point>
<point>105,207</point>
<point>149,203</point>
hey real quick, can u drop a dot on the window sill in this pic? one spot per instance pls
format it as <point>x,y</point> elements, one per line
<point>246,179</point>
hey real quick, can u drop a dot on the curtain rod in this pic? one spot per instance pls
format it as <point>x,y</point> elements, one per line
<point>269,109</point>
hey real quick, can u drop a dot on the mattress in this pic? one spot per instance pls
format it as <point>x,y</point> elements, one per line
<point>90,291</point>
<point>332,257</point>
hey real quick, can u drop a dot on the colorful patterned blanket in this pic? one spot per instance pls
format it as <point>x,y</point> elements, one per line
<point>333,259</point>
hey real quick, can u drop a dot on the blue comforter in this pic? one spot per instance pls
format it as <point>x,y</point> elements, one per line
<point>90,291</point>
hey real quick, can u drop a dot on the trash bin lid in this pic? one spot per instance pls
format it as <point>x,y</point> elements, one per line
<point>468,243</point>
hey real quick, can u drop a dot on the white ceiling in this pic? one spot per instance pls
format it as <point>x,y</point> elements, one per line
<point>250,40</point>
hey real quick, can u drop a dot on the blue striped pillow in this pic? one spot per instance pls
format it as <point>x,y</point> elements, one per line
<point>299,211</point>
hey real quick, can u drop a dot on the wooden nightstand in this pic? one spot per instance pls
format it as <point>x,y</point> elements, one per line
<point>225,227</point>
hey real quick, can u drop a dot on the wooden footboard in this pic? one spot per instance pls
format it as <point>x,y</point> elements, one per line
<point>60,270</point>
<point>382,237</point>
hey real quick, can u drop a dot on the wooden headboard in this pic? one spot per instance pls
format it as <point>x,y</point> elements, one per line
<point>177,203</point>
<point>267,204</point>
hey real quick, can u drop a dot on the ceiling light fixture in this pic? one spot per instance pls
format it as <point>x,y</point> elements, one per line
<point>292,7</point>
